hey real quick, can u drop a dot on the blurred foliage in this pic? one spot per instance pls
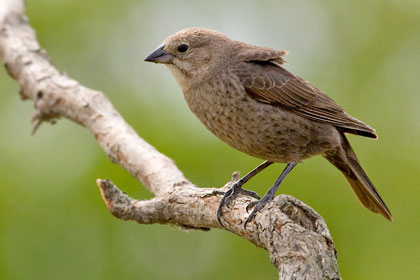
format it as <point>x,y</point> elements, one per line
<point>53,223</point>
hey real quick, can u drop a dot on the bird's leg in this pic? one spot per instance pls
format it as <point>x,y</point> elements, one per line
<point>270,194</point>
<point>237,188</point>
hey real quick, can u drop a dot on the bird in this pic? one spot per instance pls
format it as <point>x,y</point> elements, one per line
<point>246,97</point>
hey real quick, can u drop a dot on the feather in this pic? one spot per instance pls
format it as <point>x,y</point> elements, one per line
<point>268,82</point>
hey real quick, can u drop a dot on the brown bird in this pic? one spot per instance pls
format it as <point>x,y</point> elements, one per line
<point>243,95</point>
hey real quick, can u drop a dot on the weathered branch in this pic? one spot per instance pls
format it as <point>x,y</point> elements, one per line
<point>296,237</point>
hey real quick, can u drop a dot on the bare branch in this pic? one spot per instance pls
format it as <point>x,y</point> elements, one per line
<point>296,237</point>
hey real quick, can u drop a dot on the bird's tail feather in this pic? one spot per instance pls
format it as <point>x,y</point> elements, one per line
<point>346,161</point>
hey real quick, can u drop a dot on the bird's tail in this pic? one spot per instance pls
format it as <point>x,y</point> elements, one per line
<point>345,159</point>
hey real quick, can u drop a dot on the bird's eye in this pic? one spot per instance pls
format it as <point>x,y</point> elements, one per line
<point>183,48</point>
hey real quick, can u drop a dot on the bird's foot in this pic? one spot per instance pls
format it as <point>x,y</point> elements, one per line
<point>229,195</point>
<point>258,205</point>
<point>236,188</point>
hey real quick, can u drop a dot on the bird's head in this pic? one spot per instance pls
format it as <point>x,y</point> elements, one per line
<point>193,54</point>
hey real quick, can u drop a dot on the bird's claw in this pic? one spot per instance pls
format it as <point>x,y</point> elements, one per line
<point>258,205</point>
<point>251,205</point>
<point>229,195</point>
<point>242,191</point>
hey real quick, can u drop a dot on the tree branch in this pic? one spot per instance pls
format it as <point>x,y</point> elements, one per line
<point>296,237</point>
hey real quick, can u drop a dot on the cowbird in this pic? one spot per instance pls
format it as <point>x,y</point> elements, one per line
<point>244,95</point>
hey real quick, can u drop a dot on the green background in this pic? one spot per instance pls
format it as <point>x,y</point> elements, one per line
<point>53,223</point>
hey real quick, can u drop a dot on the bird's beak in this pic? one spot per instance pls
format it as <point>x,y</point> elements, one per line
<point>159,56</point>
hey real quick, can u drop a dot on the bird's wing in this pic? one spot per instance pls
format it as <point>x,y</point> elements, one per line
<point>268,82</point>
